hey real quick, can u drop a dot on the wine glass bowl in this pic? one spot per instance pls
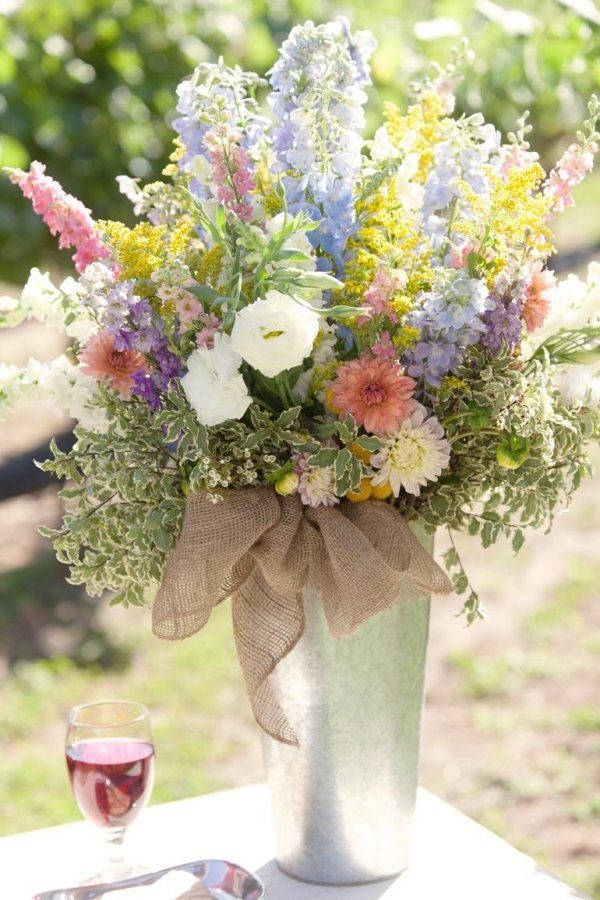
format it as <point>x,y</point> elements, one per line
<point>110,761</point>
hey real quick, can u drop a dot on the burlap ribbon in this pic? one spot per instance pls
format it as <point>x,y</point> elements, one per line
<point>261,549</point>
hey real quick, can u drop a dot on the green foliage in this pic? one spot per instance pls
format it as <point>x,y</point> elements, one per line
<point>504,414</point>
<point>86,86</point>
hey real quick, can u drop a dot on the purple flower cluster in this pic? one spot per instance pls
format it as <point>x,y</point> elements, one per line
<point>136,326</point>
<point>504,326</point>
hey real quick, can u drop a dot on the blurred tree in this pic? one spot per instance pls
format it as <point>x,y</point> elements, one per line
<point>87,86</point>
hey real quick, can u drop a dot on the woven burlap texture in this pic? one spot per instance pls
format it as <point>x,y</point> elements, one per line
<point>260,549</point>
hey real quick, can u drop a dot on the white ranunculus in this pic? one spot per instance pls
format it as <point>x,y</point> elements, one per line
<point>214,385</point>
<point>275,333</point>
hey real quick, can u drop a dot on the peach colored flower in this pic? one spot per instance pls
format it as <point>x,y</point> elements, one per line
<point>376,393</point>
<point>100,359</point>
<point>538,299</point>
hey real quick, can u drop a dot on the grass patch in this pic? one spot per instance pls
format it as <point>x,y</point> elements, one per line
<point>193,689</point>
<point>563,609</point>
<point>486,676</point>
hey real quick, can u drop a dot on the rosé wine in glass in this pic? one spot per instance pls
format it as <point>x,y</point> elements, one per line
<point>110,761</point>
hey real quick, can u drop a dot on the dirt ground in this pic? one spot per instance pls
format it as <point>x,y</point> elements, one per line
<point>511,724</point>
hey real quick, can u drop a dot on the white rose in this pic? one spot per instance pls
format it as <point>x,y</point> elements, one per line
<point>214,385</point>
<point>274,334</point>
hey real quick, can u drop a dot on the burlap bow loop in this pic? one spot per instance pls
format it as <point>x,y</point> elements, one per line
<point>262,550</point>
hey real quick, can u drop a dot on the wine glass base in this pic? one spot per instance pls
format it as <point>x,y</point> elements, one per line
<point>113,876</point>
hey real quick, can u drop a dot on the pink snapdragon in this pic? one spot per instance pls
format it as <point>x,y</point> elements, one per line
<point>206,336</point>
<point>63,214</point>
<point>383,347</point>
<point>384,287</point>
<point>515,156</point>
<point>231,171</point>
<point>458,256</point>
<point>575,163</point>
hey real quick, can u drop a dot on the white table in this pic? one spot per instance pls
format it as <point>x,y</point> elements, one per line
<point>454,858</point>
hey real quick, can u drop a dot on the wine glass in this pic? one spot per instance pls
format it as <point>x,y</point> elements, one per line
<point>110,759</point>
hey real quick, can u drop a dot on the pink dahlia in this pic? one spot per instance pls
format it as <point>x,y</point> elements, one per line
<point>118,367</point>
<point>376,393</point>
<point>538,299</point>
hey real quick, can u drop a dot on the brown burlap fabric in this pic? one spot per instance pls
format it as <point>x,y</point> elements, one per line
<point>259,548</point>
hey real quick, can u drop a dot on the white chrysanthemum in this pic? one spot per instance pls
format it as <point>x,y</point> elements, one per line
<point>317,484</point>
<point>416,454</point>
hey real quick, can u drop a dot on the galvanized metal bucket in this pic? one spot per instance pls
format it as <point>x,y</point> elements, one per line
<point>343,801</point>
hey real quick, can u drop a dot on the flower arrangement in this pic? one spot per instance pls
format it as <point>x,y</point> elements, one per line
<point>340,319</point>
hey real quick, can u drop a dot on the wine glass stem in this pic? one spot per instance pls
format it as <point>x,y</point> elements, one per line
<point>114,863</point>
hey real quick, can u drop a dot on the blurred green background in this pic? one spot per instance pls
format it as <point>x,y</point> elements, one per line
<point>512,725</point>
<point>87,86</point>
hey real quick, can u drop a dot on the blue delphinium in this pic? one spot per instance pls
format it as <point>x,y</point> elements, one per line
<point>460,157</point>
<point>450,318</point>
<point>317,100</point>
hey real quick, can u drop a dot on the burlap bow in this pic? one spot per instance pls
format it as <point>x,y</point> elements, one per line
<point>261,549</point>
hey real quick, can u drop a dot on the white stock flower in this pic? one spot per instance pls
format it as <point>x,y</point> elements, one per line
<point>59,384</point>
<point>11,388</point>
<point>575,304</point>
<point>62,308</point>
<point>381,146</point>
<point>40,299</point>
<point>579,385</point>
<point>416,454</point>
<point>213,383</point>
<point>275,333</point>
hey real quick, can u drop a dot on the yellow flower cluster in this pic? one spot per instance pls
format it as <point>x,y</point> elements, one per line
<point>422,126</point>
<point>452,383</point>
<point>265,185</point>
<point>171,169</point>
<point>406,338</point>
<point>322,376</point>
<point>207,268</point>
<point>386,234</point>
<point>140,250</point>
<point>513,218</point>
<point>181,239</point>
